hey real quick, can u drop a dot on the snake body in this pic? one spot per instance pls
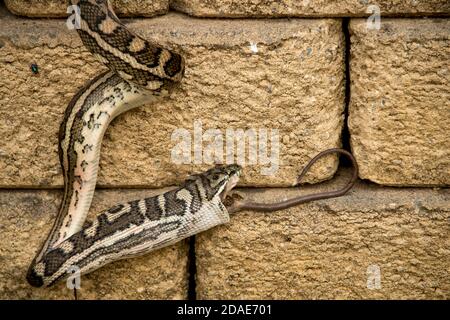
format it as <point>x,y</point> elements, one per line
<point>140,226</point>
<point>139,72</point>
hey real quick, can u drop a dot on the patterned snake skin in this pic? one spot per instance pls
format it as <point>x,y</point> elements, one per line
<point>139,72</point>
<point>138,227</point>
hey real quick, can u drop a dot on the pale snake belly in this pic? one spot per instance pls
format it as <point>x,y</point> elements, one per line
<point>140,72</point>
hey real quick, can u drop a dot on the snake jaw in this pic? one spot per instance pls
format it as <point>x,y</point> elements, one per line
<point>232,182</point>
<point>234,173</point>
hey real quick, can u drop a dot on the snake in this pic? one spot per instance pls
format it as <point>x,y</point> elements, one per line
<point>138,72</point>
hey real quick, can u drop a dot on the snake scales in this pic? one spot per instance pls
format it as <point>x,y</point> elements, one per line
<point>139,72</point>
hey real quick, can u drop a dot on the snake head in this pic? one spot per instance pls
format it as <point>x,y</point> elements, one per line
<point>225,176</point>
<point>217,181</point>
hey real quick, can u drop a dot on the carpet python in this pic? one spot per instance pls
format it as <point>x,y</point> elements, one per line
<point>138,72</point>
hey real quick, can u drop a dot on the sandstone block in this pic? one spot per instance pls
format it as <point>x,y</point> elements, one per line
<point>25,219</point>
<point>58,8</point>
<point>273,87</point>
<point>375,243</point>
<point>399,114</point>
<point>309,8</point>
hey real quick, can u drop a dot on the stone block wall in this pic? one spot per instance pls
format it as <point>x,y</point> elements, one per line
<point>331,249</point>
<point>399,114</point>
<point>227,86</point>
<point>340,79</point>
<point>308,8</point>
<point>27,216</point>
<point>58,8</point>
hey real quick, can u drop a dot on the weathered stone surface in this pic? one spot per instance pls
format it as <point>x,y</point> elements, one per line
<point>58,8</point>
<point>399,115</point>
<point>25,219</point>
<point>332,249</point>
<point>308,8</point>
<point>286,76</point>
